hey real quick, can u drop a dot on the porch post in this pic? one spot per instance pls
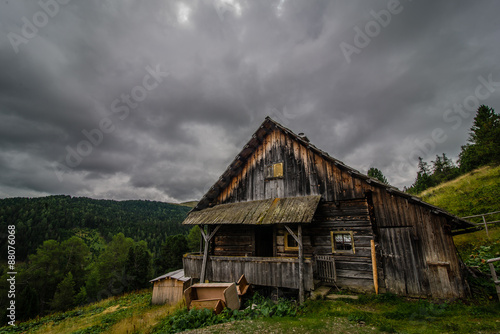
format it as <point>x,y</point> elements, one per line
<point>301,265</point>
<point>207,237</point>
<point>205,255</point>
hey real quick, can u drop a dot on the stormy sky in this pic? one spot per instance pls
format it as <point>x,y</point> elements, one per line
<point>153,99</point>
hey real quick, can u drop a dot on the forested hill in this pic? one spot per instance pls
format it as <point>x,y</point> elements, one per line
<point>60,217</point>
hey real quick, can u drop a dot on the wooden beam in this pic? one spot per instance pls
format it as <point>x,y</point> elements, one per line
<point>207,237</point>
<point>301,265</point>
<point>292,234</point>
<point>298,238</point>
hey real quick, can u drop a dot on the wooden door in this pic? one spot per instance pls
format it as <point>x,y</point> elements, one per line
<point>403,265</point>
<point>264,241</point>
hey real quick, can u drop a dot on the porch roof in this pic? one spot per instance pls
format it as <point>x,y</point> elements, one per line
<point>268,211</point>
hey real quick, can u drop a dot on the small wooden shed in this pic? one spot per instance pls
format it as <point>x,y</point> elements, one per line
<point>169,288</point>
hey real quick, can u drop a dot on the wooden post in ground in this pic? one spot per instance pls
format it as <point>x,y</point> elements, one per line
<point>207,237</point>
<point>301,265</point>
<point>486,226</point>
<point>374,266</point>
<point>205,256</point>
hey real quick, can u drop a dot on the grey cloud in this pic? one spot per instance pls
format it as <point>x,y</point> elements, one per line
<point>230,64</point>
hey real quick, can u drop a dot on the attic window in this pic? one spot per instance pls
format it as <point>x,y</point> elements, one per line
<point>342,242</point>
<point>274,171</point>
<point>290,242</point>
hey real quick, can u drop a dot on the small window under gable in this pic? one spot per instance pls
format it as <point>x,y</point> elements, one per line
<point>342,242</point>
<point>274,171</point>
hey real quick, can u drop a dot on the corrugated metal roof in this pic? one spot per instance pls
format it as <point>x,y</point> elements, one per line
<point>178,275</point>
<point>268,211</point>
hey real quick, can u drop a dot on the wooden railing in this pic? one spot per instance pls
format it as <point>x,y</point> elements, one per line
<point>267,271</point>
<point>485,223</point>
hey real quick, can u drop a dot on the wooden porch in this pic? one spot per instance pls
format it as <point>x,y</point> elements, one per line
<point>280,272</point>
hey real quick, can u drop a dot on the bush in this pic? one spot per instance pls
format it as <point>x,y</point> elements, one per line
<point>256,307</point>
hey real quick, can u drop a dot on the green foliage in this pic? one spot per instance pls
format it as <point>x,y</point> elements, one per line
<point>81,297</point>
<point>63,298</point>
<point>483,144</point>
<point>60,217</point>
<point>171,254</point>
<point>483,148</point>
<point>443,169</point>
<point>256,307</point>
<point>138,266</point>
<point>194,238</point>
<point>377,174</point>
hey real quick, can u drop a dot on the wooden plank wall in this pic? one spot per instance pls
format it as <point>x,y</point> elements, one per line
<point>168,291</point>
<point>416,229</point>
<point>272,271</point>
<point>234,240</point>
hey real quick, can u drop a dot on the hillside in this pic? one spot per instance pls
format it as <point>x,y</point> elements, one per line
<point>60,217</point>
<point>470,194</point>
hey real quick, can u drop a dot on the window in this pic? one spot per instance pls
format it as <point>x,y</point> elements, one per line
<point>290,242</point>
<point>342,242</point>
<point>274,171</point>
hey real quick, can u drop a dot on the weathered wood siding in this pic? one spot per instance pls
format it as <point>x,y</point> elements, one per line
<point>168,291</point>
<point>266,271</point>
<point>234,240</point>
<point>414,244</point>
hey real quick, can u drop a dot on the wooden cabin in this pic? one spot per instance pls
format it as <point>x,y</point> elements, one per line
<point>285,214</point>
<point>169,288</point>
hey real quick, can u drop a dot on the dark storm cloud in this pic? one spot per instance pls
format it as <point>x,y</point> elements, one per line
<point>129,99</point>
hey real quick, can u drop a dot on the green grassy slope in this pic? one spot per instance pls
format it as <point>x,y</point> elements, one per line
<point>471,194</point>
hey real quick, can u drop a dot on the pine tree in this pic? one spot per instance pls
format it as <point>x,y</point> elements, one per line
<point>483,145</point>
<point>63,298</point>
<point>138,266</point>
<point>377,174</point>
<point>193,239</point>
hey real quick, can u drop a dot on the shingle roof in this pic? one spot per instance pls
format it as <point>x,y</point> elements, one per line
<point>268,211</point>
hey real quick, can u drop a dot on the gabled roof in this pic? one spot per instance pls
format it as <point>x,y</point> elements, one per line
<point>268,211</point>
<point>267,127</point>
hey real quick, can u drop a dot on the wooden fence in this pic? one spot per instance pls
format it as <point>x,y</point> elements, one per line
<point>485,223</point>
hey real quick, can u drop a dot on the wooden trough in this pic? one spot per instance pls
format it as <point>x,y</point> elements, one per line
<point>216,296</point>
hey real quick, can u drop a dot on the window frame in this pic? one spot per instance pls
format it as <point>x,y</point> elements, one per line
<point>341,251</point>
<point>290,248</point>
<point>274,171</point>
